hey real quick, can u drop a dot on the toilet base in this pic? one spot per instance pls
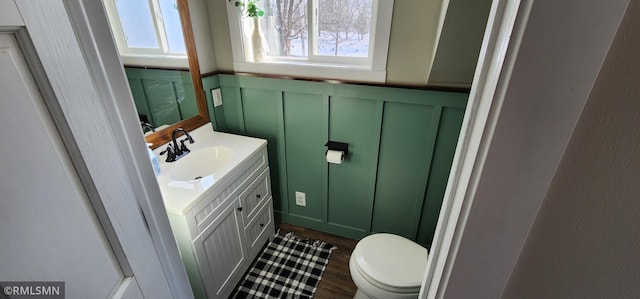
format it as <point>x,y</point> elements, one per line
<point>361,295</point>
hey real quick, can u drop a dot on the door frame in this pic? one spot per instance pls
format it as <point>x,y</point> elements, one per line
<point>537,65</point>
<point>69,48</point>
<point>499,47</point>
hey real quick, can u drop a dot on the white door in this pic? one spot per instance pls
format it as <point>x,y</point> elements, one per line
<point>49,229</point>
<point>72,188</point>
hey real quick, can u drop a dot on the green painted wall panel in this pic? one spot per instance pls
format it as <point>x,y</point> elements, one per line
<point>395,178</point>
<point>261,116</point>
<point>275,84</point>
<point>186,96</point>
<point>448,131</point>
<point>140,100</point>
<point>165,96</point>
<point>161,96</point>
<point>216,114</point>
<point>402,168</point>
<point>331,228</point>
<point>404,95</point>
<point>232,110</point>
<point>352,183</point>
<point>305,122</point>
<point>391,131</point>
<point>401,95</point>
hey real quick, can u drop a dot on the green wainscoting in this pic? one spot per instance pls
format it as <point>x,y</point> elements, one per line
<point>406,148</point>
<point>401,144</point>
<point>262,110</point>
<point>305,127</point>
<point>215,113</point>
<point>449,128</point>
<point>352,184</point>
<point>164,96</point>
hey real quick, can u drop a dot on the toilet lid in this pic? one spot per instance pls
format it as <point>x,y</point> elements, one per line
<point>392,261</point>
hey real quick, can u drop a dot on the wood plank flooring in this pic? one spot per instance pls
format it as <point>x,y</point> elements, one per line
<point>336,280</point>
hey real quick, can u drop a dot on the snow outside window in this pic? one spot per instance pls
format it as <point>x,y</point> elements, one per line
<point>334,39</point>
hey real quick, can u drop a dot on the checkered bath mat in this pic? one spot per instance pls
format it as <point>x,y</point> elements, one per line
<point>287,268</point>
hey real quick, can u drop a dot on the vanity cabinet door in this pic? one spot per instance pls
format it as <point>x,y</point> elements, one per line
<point>221,253</point>
<point>255,195</point>
<point>260,228</point>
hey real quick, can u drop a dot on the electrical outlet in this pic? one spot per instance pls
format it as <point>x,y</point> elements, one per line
<point>301,199</point>
<point>217,97</point>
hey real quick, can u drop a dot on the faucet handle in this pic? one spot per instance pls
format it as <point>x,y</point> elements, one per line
<point>183,147</point>
<point>188,138</point>
<point>170,155</point>
<point>147,126</point>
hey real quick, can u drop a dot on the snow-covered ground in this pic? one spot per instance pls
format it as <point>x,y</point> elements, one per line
<point>352,46</point>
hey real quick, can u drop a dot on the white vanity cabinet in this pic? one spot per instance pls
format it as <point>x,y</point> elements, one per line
<point>221,251</point>
<point>222,233</point>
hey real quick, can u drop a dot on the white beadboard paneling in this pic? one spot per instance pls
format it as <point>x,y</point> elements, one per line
<point>219,250</point>
<point>254,196</point>
<point>260,228</point>
<point>215,246</point>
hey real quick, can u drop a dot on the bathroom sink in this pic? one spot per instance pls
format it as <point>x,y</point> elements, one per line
<point>201,163</point>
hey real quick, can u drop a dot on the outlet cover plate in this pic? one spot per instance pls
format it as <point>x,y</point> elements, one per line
<point>217,97</point>
<point>301,199</point>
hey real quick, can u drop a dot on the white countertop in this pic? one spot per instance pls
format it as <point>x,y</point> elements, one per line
<point>180,196</point>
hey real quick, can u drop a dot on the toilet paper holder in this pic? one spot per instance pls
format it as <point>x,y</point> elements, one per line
<point>338,146</point>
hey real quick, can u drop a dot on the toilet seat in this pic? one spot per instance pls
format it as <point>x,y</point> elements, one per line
<point>391,262</point>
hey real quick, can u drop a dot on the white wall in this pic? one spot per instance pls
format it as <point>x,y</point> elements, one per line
<point>585,242</point>
<point>415,26</point>
<point>202,35</point>
<point>413,42</point>
<point>552,63</point>
<point>458,48</point>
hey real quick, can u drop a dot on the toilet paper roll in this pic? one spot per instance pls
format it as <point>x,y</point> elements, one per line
<point>335,157</point>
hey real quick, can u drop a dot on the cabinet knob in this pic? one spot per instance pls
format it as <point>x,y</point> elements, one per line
<point>239,209</point>
<point>258,196</point>
<point>261,224</point>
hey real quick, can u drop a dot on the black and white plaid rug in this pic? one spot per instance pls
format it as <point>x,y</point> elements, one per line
<point>287,268</point>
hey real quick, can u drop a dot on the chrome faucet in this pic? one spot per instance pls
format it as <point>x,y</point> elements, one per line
<point>176,152</point>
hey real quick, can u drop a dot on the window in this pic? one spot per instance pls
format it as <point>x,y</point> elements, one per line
<point>334,39</point>
<point>148,32</point>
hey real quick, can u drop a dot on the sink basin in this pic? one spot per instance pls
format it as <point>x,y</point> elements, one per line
<point>201,163</point>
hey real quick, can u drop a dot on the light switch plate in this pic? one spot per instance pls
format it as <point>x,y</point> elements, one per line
<point>217,97</point>
<point>301,199</point>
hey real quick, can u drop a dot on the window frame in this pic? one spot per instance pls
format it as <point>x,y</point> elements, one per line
<point>373,69</point>
<point>141,56</point>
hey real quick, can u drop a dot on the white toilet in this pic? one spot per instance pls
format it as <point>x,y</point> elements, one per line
<point>387,266</point>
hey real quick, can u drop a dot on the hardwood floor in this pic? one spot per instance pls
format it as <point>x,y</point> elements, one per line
<point>336,280</point>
